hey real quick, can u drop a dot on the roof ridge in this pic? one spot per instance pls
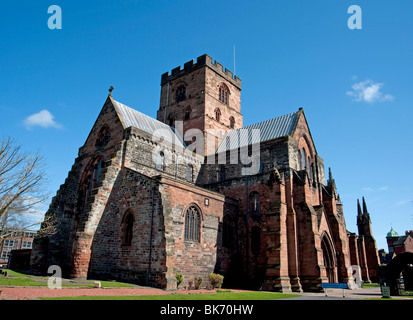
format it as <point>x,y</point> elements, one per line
<point>137,119</point>
<point>144,114</point>
<point>269,129</point>
<point>268,120</point>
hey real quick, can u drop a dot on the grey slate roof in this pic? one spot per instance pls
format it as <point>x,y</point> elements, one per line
<point>400,241</point>
<point>133,118</point>
<point>268,130</point>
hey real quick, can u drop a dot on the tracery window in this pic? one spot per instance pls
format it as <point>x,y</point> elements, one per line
<point>192,224</point>
<point>90,179</point>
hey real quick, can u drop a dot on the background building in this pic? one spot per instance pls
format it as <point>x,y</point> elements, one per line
<point>396,245</point>
<point>17,241</point>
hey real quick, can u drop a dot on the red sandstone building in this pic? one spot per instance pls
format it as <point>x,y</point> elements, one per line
<point>396,245</point>
<point>195,192</point>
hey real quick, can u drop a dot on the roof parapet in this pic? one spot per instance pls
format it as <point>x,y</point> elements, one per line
<point>201,61</point>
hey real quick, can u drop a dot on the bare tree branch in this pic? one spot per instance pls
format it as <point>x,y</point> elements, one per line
<point>22,189</point>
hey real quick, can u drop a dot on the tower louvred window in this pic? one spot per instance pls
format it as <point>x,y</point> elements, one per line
<point>180,93</point>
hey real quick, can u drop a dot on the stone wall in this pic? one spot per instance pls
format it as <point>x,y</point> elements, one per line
<point>110,258</point>
<point>57,248</point>
<point>191,258</point>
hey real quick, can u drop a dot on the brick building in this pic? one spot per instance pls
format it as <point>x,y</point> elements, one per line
<point>195,192</point>
<point>396,245</point>
<point>18,240</point>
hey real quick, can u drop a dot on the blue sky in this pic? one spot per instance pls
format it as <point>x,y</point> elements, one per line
<point>355,85</point>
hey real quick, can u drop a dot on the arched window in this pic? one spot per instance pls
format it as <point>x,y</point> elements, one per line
<point>310,169</point>
<point>217,114</point>
<point>227,232</point>
<point>160,161</point>
<point>103,136</point>
<point>223,93</point>
<point>313,171</point>
<point>180,93</point>
<point>171,120</point>
<point>187,113</point>
<point>255,203</point>
<point>192,224</point>
<point>90,179</point>
<point>231,122</point>
<point>303,162</point>
<point>189,172</point>
<point>127,228</point>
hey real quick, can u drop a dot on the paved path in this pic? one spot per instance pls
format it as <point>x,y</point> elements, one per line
<point>337,294</point>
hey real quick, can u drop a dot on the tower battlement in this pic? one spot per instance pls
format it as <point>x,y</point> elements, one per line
<point>204,60</point>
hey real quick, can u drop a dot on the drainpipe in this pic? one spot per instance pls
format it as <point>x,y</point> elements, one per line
<point>150,237</point>
<point>247,228</point>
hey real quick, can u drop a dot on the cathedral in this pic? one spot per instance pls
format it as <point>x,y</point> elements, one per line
<point>194,192</point>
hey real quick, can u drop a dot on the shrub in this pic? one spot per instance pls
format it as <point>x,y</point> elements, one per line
<point>198,282</point>
<point>216,280</point>
<point>179,279</point>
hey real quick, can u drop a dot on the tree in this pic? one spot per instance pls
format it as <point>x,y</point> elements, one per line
<point>22,190</point>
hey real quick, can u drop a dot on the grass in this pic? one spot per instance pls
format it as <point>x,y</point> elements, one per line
<point>17,279</point>
<point>205,296</point>
<point>371,285</point>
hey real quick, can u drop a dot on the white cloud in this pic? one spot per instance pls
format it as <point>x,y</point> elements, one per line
<point>403,202</point>
<point>384,188</point>
<point>368,91</point>
<point>42,119</point>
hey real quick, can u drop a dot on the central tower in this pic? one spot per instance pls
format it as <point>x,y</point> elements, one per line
<point>201,96</point>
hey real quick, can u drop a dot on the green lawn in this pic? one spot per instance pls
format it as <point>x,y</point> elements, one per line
<point>371,285</point>
<point>16,279</point>
<point>206,296</point>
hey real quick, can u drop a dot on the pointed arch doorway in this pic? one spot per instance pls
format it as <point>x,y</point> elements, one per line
<point>329,258</point>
